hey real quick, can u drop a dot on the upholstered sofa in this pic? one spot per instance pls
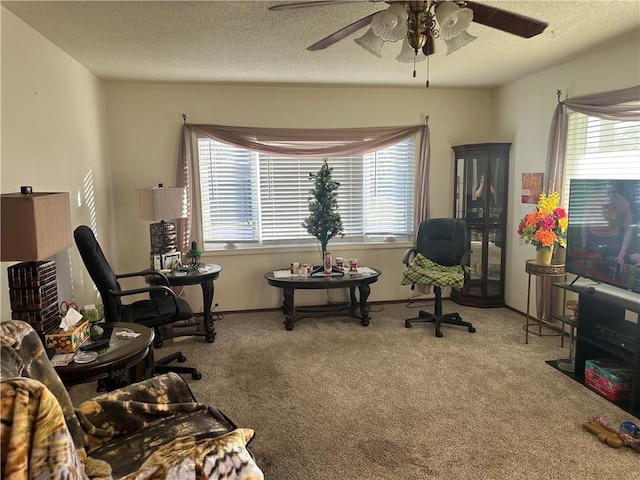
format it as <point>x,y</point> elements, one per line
<point>150,430</point>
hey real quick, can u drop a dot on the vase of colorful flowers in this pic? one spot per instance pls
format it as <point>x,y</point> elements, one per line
<point>546,227</point>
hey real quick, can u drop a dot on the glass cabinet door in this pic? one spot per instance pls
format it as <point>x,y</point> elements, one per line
<point>481,192</point>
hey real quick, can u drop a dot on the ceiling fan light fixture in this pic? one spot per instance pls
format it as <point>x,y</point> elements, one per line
<point>390,24</point>
<point>452,19</point>
<point>371,42</point>
<point>416,40</point>
<point>408,54</point>
<point>460,41</point>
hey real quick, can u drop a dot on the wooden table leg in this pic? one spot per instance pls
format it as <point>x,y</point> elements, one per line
<point>207,319</point>
<point>364,308</point>
<point>353,306</point>
<point>289,309</point>
<point>526,327</point>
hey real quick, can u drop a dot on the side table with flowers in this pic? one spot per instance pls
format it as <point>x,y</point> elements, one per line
<point>546,227</point>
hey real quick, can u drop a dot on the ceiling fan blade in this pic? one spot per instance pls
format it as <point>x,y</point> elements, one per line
<point>428,47</point>
<point>506,21</point>
<point>342,33</point>
<point>317,3</point>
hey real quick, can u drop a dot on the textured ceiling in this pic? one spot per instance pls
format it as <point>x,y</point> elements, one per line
<point>243,41</point>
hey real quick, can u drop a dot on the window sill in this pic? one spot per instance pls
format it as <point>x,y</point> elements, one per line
<point>270,249</point>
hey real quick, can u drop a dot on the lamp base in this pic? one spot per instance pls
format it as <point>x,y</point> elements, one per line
<point>164,237</point>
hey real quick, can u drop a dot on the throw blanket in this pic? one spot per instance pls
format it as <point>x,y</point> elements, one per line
<point>23,355</point>
<point>36,442</point>
<point>423,271</point>
<point>150,430</point>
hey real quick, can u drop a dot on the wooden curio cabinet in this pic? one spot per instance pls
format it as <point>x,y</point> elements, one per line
<point>480,198</point>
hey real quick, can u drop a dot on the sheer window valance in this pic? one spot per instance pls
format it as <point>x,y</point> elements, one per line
<point>297,142</point>
<point>622,105</point>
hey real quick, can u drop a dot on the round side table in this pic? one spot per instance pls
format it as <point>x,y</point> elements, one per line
<point>532,267</point>
<point>113,364</point>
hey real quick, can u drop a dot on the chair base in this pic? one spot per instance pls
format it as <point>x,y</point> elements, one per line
<point>162,366</point>
<point>448,318</point>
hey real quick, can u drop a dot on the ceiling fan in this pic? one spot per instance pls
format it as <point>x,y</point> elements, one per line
<point>417,23</point>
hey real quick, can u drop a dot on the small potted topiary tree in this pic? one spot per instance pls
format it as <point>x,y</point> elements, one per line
<point>324,221</point>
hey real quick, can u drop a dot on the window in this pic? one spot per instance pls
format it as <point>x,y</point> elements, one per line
<point>598,148</point>
<point>261,199</point>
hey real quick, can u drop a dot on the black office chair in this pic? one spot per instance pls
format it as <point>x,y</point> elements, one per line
<point>438,259</point>
<point>162,307</point>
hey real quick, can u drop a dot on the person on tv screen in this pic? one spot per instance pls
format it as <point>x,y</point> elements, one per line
<point>609,230</point>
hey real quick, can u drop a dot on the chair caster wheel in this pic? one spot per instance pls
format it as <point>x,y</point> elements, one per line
<point>407,324</point>
<point>439,334</point>
<point>157,343</point>
<point>472,330</point>
<point>288,326</point>
<point>196,375</point>
<point>181,359</point>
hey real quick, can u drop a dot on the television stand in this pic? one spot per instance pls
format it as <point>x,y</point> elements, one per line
<point>604,331</point>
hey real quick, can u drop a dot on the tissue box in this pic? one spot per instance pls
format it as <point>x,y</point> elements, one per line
<point>93,314</point>
<point>68,342</point>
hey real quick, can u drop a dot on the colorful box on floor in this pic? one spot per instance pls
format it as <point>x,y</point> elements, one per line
<point>610,378</point>
<point>69,341</point>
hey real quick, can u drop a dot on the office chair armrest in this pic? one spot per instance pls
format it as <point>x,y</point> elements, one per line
<point>464,261</point>
<point>155,288</point>
<point>407,255</point>
<point>160,277</point>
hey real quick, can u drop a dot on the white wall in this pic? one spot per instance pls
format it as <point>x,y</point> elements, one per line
<point>523,114</point>
<point>144,127</point>
<point>54,138</point>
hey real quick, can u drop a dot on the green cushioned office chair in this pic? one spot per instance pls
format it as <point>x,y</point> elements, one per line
<point>438,259</point>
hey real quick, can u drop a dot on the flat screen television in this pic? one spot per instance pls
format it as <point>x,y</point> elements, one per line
<point>603,236</point>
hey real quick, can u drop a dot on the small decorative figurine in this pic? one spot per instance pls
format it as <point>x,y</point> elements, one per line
<point>194,256</point>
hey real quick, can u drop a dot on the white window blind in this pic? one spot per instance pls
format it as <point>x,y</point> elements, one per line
<point>598,148</point>
<point>263,198</point>
<point>388,191</point>
<point>228,179</point>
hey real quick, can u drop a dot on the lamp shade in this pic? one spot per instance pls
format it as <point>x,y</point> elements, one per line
<point>160,203</point>
<point>371,43</point>
<point>35,226</point>
<point>408,54</point>
<point>460,41</point>
<point>391,24</point>
<point>453,20</point>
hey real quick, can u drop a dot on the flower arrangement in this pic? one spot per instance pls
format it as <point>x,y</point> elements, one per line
<point>547,225</point>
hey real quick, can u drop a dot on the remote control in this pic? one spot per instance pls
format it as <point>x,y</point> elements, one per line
<point>97,345</point>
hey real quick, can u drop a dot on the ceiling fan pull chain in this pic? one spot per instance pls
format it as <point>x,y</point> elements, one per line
<point>427,82</point>
<point>414,65</point>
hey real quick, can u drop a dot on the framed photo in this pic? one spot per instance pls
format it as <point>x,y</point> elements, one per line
<point>170,259</point>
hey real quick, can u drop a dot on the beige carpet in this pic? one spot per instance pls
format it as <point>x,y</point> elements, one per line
<point>334,400</point>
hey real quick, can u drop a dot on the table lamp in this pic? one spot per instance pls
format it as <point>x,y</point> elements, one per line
<point>34,227</point>
<point>159,204</point>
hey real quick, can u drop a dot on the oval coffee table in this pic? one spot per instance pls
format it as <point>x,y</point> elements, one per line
<point>356,307</point>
